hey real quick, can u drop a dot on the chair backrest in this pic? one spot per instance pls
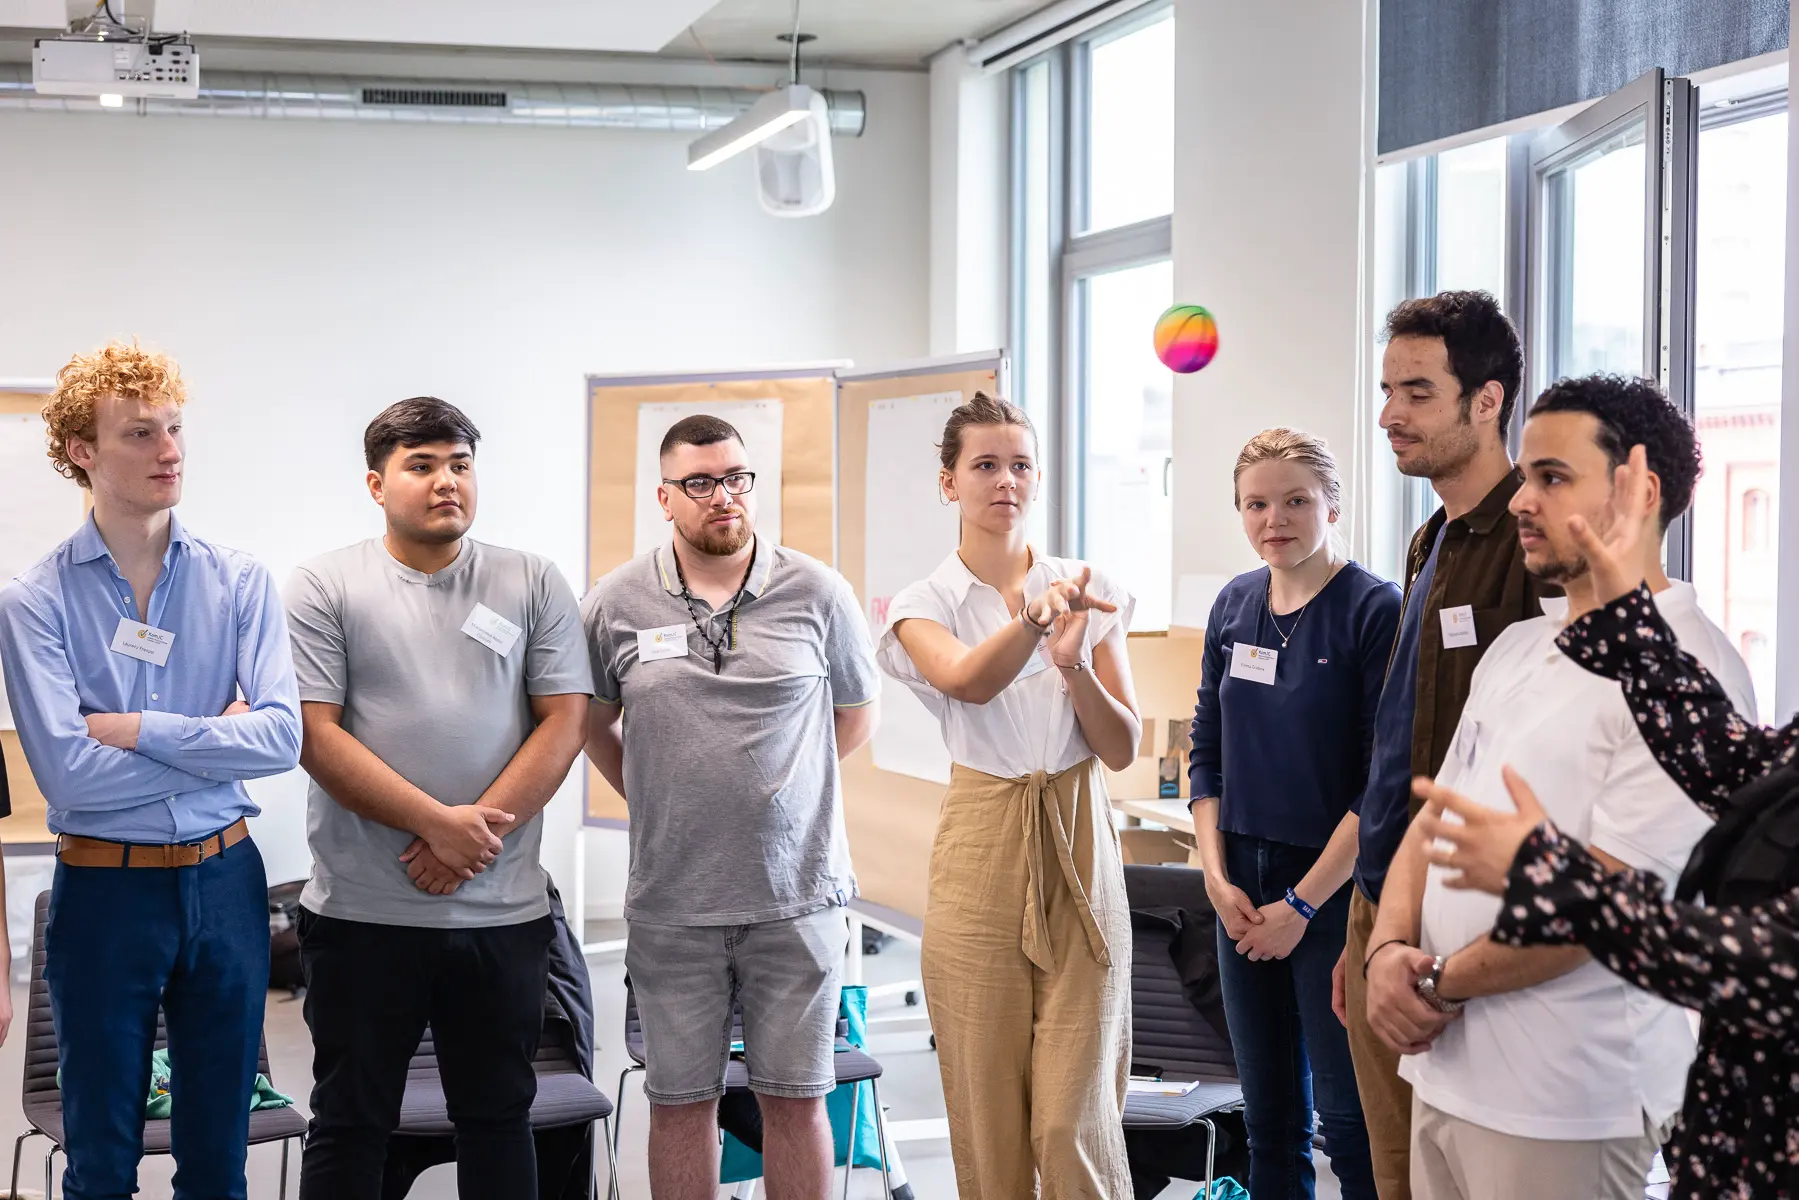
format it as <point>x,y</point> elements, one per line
<point>555,1050</point>
<point>1167,1032</point>
<point>41,1054</point>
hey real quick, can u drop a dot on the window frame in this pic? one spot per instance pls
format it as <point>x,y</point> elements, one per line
<point>1075,255</point>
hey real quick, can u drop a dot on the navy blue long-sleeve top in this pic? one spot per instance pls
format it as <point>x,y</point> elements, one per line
<point>1288,759</point>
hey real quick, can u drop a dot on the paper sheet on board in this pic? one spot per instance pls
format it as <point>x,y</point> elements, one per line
<point>759,421</point>
<point>909,532</point>
<point>40,508</point>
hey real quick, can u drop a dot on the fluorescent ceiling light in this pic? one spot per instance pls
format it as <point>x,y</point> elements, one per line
<point>766,117</point>
<point>111,100</point>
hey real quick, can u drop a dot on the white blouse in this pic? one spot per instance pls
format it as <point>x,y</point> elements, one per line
<point>1029,726</point>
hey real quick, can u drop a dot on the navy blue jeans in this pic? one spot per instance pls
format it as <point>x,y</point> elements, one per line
<point>1292,1053</point>
<point>120,941</point>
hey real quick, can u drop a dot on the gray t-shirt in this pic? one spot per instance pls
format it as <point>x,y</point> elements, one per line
<point>442,709</point>
<point>731,775</point>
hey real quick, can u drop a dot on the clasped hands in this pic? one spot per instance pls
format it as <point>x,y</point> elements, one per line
<point>1261,934</point>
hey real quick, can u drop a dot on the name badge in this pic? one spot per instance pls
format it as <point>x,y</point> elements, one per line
<point>1458,627</point>
<point>146,643</point>
<point>668,642</point>
<point>1254,663</point>
<point>492,630</point>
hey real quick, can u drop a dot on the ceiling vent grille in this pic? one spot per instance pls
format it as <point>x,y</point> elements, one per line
<point>417,97</point>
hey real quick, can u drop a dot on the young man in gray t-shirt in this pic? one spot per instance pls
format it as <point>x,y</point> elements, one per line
<point>443,691</point>
<point>742,672</point>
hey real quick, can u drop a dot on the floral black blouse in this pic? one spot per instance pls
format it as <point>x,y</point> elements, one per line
<point>1738,1134</point>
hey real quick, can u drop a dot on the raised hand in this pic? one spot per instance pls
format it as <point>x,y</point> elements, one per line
<point>1068,644</point>
<point>1616,560</point>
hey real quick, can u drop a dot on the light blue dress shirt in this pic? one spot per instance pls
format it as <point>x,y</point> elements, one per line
<point>183,782</point>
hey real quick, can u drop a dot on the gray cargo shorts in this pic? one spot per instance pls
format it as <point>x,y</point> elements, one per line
<point>786,975</point>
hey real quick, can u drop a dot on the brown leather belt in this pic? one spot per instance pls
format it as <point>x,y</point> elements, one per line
<point>94,852</point>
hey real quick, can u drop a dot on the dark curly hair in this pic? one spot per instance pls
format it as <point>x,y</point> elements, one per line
<point>1481,340</point>
<point>1634,412</point>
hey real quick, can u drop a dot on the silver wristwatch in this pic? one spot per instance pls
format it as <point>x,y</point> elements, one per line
<point>1427,989</point>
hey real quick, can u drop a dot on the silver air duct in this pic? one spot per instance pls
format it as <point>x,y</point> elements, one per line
<point>438,102</point>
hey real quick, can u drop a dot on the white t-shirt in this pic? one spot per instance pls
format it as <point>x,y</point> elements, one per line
<point>1030,725</point>
<point>1585,1056</point>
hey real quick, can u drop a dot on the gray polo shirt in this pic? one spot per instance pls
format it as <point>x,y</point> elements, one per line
<point>443,709</point>
<point>731,775</point>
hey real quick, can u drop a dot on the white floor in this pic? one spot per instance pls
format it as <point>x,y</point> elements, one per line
<point>910,1089</point>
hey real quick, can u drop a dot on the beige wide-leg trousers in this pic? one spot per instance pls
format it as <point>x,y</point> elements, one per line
<point>1027,974</point>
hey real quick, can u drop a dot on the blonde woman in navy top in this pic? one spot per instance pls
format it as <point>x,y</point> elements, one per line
<point>1296,653</point>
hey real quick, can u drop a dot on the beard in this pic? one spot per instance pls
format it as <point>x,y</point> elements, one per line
<point>1560,571</point>
<point>1444,455</point>
<point>721,543</point>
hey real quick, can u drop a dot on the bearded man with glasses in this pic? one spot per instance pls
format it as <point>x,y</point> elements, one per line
<point>731,674</point>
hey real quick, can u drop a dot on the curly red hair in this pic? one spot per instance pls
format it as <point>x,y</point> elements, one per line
<point>126,371</point>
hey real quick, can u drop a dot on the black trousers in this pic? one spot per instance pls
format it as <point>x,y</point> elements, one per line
<point>370,992</point>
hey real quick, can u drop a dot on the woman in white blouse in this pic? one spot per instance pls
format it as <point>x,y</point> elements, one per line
<point>1027,934</point>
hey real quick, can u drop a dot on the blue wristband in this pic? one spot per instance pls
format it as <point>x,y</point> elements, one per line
<point>1300,906</point>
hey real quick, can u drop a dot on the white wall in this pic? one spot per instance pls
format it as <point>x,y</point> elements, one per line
<point>971,147</point>
<point>306,274</point>
<point>1267,229</point>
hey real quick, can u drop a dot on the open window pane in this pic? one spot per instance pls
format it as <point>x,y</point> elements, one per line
<point>1739,314</point>
<point>1595,213</point>
<point>1127,516</point>
<point>1130,126</point>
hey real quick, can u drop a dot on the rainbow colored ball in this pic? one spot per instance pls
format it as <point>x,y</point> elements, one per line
<point>1186,338</point>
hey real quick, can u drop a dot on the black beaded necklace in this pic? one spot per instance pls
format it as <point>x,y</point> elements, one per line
<point>703,624</point>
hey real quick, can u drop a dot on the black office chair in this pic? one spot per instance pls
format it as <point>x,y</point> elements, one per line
<point>42,1098</point>
<point>565,1098</point>
<point>1169,1036</point>
<point>852,1066</point>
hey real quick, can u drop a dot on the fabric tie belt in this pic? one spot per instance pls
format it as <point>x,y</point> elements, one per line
<point>1043,819</point>
<point>96,852</point>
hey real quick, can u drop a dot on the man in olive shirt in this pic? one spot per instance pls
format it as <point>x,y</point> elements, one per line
<point>1451,376</point>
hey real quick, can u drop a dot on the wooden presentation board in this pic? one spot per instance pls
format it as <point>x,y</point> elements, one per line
<point>808,474</point>
<point>892,818</point>
<point>27,825</point>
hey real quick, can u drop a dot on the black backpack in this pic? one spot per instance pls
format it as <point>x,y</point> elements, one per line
<point>1752,854</point>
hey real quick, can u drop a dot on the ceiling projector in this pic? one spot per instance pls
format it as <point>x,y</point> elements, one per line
<point>151,68</point>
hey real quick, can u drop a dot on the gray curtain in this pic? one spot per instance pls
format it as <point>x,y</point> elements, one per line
<point>1449,66</point>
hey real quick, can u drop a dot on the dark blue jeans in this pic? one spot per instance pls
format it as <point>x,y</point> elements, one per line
<point>120,941</point>
<point>1292,1052</point>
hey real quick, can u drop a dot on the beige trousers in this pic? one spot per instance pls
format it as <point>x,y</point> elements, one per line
<point>1026,963</point>
<point>1453,1159</point>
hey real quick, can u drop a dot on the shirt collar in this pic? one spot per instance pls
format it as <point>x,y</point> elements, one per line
<point>1678,596</point>
<point>89,545</point>
<point>444,575</point>
<point>953,575</point>
<point>1484,517</point>
<point>762,566</point>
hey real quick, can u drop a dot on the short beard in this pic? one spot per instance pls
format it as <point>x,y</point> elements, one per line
<point>724,542</point>
<point>1445,456</point>
<point>1560,571</point>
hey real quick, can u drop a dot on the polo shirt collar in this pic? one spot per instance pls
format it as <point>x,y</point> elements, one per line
<point>762,566</point>
<point>88,545</point>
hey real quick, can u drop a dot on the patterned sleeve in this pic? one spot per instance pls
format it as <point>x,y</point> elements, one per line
<point>1739,965</point>
<point>1686,717</point>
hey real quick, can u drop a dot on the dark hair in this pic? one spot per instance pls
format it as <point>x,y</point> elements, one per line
<point>1481,340</point>
<point>698,430</point>
<point>1634,412</point>
<point>981,410</point>
<point>416,422</point>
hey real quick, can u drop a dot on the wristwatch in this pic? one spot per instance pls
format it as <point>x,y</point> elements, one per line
<point>1427,989</point>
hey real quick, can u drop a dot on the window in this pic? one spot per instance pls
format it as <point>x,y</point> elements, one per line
<point>1739,297</point>
<point>1758,514</point>
<point>1130,125</point>
<point>1093,187</point>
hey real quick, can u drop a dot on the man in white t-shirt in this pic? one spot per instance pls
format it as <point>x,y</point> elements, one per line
<point>1556,1080</point>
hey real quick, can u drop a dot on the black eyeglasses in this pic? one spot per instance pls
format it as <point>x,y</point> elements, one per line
<point>701,487</point>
